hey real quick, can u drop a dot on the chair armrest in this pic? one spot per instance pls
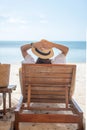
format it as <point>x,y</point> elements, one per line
<point>12,87</point>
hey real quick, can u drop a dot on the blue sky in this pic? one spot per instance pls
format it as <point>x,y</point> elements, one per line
<point>60,20</point>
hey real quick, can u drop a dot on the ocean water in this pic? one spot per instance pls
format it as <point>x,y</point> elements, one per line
<point>10,51</point>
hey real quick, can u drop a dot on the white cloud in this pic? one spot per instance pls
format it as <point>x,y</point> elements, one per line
<point>42,16</point>
<point>16,21</point>
<point>3,18</point>
<point>12,20</point>
<point>44,21</point>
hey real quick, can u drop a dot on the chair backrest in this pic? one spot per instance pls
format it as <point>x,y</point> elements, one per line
<point>48,81</point>
<point>4,75</point>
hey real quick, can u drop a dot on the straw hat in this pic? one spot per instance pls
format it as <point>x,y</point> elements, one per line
<point>43,53</point>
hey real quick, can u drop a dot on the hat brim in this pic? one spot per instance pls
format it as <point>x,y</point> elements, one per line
<point>41,55</point>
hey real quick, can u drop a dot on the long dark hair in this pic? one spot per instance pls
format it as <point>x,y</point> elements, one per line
<point>43,61</point>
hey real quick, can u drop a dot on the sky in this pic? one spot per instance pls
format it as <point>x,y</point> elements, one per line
<point>60,20</point>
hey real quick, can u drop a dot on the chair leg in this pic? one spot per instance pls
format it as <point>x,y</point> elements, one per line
<point>16,122</point>
<point>80,125</point>
<point>16,126</point>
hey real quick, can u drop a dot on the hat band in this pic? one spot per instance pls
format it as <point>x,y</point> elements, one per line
<point>45,54</point>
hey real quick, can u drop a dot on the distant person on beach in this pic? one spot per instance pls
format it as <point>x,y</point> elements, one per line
<point>44,51</point>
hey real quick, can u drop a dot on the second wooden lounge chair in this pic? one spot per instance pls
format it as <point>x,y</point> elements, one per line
<point>49,84</point>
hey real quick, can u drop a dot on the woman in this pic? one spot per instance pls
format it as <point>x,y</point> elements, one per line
<point>44,51</point>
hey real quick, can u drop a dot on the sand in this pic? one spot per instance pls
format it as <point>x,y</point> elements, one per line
<point>79,95</point>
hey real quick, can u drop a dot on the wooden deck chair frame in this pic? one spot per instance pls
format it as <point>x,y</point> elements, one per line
<point>48,83</point>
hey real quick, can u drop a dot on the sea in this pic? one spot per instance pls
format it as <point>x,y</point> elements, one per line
<point>10,51</point>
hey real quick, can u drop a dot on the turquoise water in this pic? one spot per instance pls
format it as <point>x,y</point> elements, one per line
<point>10,51</point>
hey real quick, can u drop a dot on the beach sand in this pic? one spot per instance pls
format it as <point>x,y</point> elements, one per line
<point>79,95</point>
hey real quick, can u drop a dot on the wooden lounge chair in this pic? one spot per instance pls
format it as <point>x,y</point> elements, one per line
<point>49,84</point>
<point>5,88</point>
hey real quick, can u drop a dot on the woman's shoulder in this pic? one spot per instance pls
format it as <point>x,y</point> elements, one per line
<point>61,58</point>
<point>28,59</point>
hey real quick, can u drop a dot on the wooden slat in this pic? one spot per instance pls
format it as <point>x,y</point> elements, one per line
<point>49,118</point>
<point>60,85</point>
<point>48,88</point>
<point>48,108</point>
<point>48,96</point>
<point>48,92</point>
<point>29,96</point>
<point>38,100</point>
<point>73,82</point>
<point>47,80</point>
<point>46,68</point>
<point>48,74</point>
